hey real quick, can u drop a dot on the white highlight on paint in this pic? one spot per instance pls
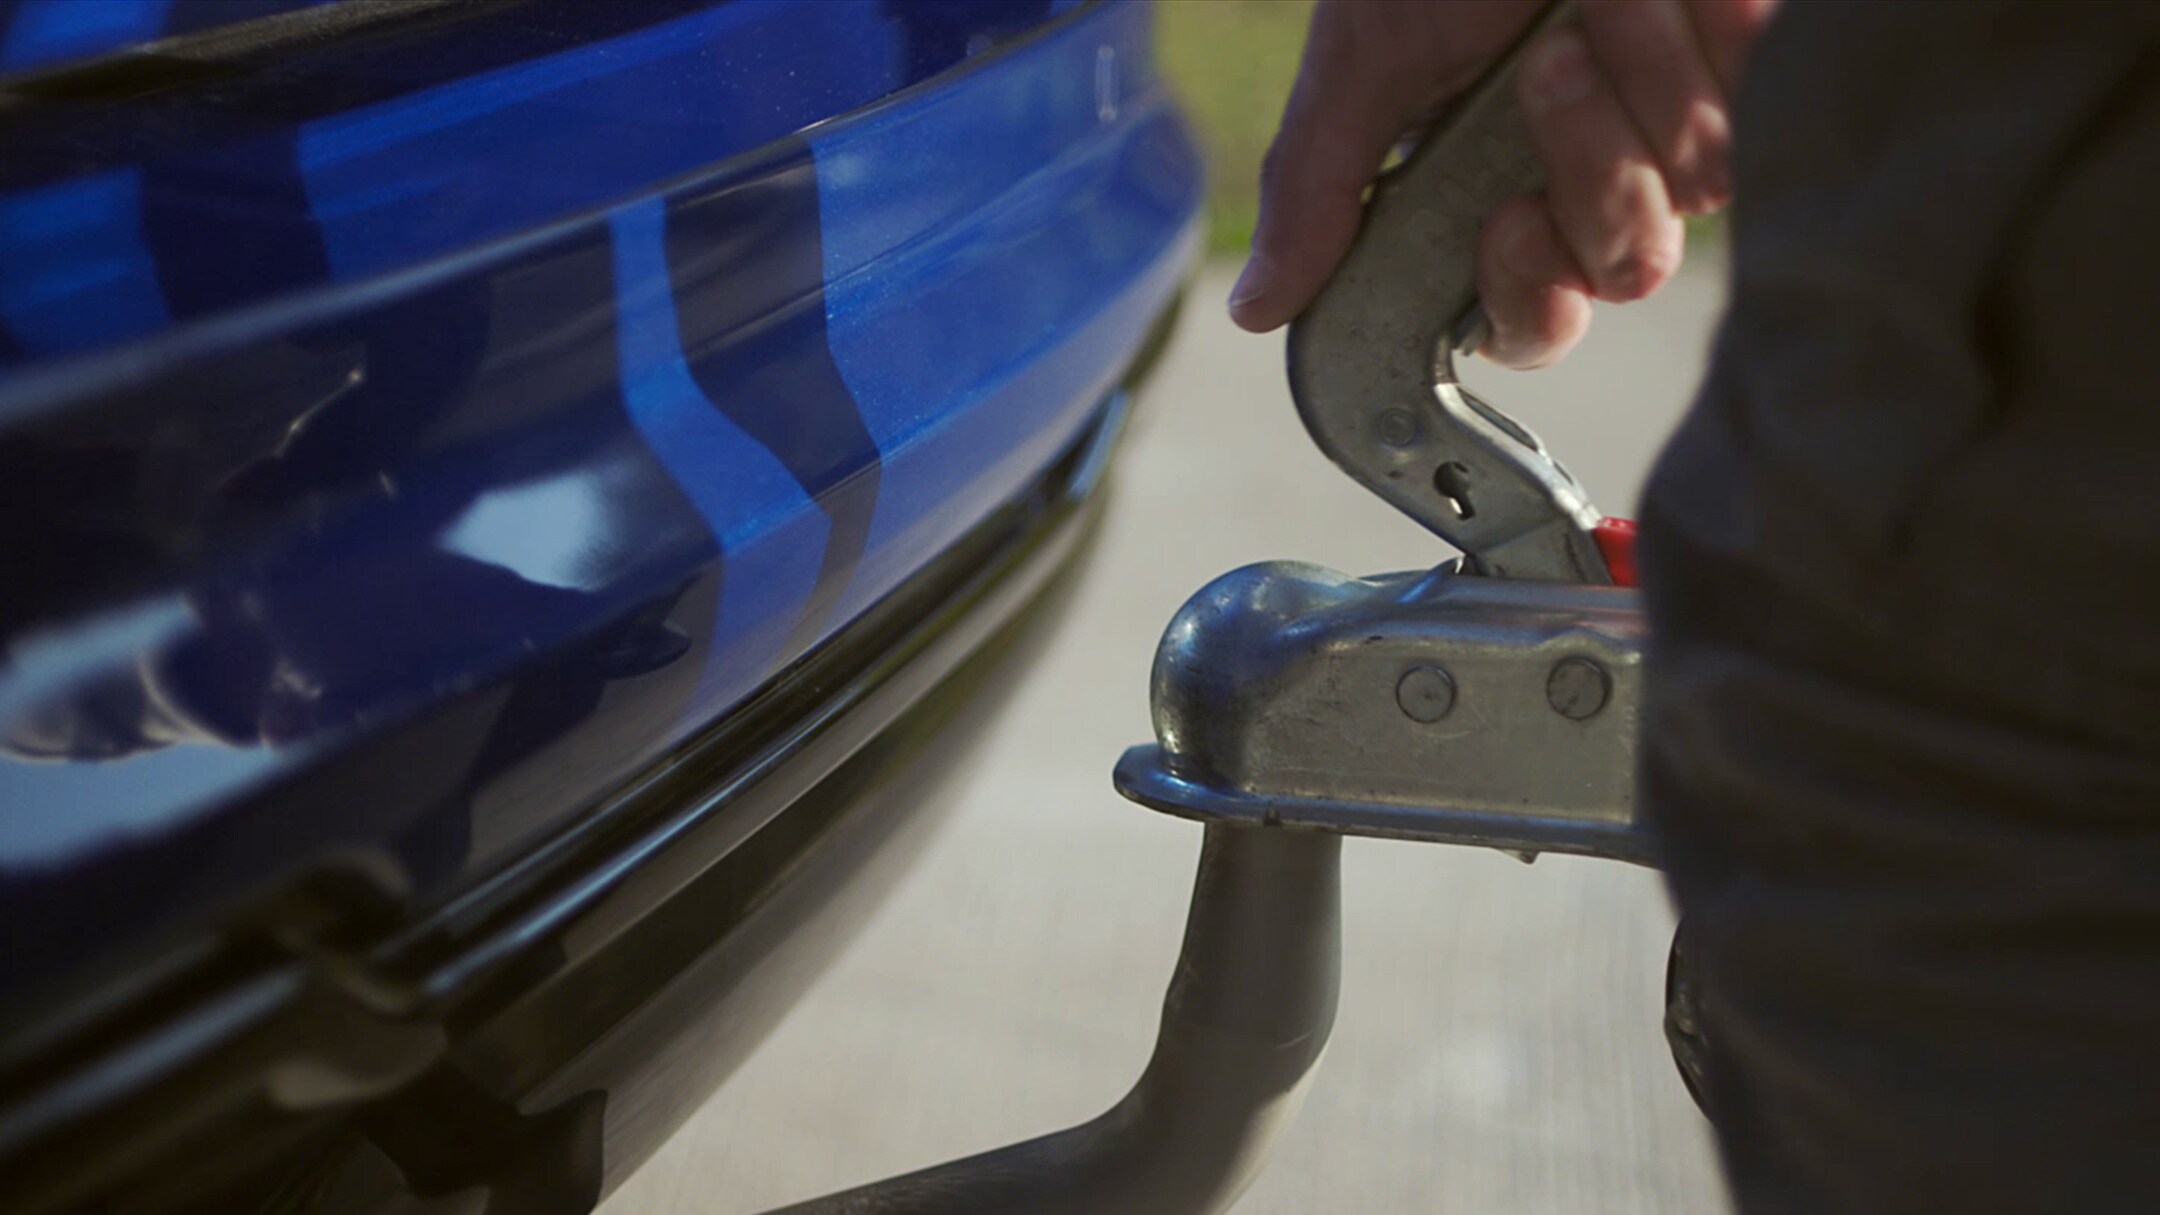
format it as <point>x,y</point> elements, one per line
<point>1106,83</point>
<point>548,531</point>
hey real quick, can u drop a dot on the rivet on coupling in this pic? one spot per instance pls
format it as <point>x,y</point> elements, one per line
<point>1398,428</point>
<point>1577,689</point>
<point>1425,693</point>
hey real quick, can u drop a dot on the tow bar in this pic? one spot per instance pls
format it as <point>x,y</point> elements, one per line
<point>1490,701</point>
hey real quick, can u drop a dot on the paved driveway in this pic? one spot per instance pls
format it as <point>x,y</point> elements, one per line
<point>1498,1048</point>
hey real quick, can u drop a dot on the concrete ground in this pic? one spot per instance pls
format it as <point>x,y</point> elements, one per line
<point>1498,1048</point>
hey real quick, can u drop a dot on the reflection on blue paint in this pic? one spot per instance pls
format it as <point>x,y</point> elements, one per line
<point>554,531</point>
<point>186,775</point>
<point>44,668</point>
<point>251,210</point>
<point>456,550</point>
<point>772,538</point>
<point>73,266</point>
<point>450,166</point>
<point>48,31</point>
<point>975,315</point>
<point>78,692</point>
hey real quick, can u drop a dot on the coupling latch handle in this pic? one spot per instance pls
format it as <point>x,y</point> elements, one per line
<point>1371,361</point>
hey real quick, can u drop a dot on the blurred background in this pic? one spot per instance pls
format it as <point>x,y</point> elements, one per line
<point>1498,1048</point>
<point>1231,63</point>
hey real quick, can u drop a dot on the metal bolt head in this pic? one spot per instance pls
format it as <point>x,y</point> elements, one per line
<point>1425,693</point>
<point>1398,428</point>
<point>1577,689</point>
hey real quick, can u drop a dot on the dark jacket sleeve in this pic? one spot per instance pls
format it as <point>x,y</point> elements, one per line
<point>1903,563</point>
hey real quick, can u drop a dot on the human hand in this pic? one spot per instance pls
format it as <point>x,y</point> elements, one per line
<point>1629,106</point>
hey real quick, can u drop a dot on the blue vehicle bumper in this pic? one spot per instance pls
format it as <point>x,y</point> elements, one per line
<point>503,502</point>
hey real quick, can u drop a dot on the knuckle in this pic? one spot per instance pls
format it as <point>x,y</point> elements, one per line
<point>1685,190</point>
<point>1697,191</point>
<point>1557,71</point>
<point>1642,266</point>
<point>1700,159</point>
<point>1695,195</point>
<point>1637,245</point>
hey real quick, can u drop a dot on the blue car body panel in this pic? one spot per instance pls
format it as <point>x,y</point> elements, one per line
<point>44,33</point>
<point>527,389</point>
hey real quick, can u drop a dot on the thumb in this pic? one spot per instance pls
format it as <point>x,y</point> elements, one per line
<point>1335,134</point>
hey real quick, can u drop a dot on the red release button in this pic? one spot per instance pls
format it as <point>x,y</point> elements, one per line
<point>1616,542</point>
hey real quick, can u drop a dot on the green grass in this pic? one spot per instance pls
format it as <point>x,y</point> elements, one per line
<point>1231,63</point>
